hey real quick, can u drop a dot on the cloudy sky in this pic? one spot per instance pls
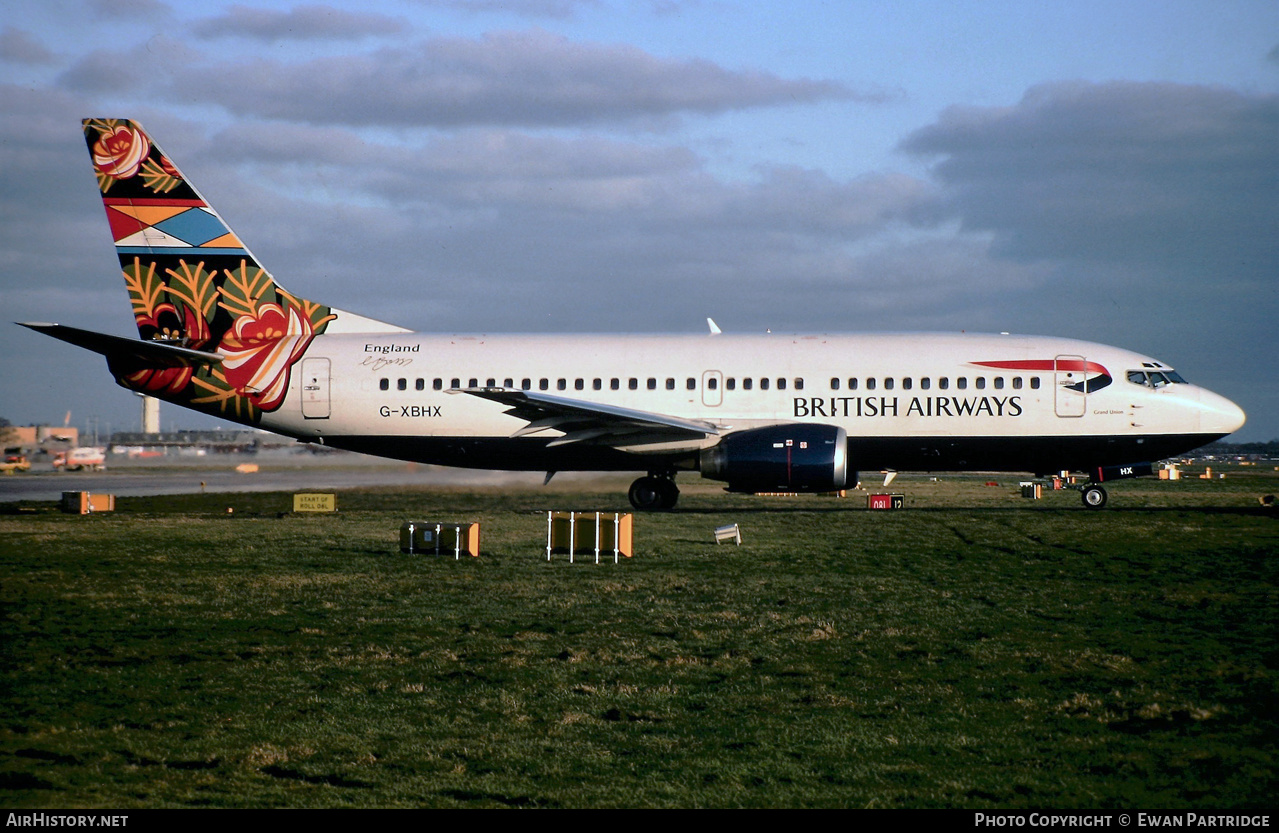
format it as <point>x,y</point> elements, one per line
<point>1102,170</point>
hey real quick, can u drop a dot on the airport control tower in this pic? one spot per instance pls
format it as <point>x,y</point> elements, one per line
<point>150,415</point>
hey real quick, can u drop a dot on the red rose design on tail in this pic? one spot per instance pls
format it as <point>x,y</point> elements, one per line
<point>260,349</point>
<point>119,152</point>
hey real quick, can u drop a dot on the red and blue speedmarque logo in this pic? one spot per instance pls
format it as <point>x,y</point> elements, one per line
<point>1095,376</point>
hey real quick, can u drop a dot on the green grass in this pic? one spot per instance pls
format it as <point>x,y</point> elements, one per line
<point>977,650</point>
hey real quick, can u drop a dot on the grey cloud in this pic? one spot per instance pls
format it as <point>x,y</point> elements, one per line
<point>282,144</point>
<point>19,47</point>
<point>480,153</point>
<point>1179,176</point>
<point>55,256</point>
<point>314,22</point>
<point>103,72</point>
<point>525,178</point>
<point>500,170</point>
<point>511,78</point>
<point>454,222</point>
<point>555,9</point>
<point>670,8</point>
<point>129,9</point>
<point>116,71</point>
<point>37,139</point>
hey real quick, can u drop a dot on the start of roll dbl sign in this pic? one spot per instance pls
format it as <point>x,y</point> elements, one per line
<point>315,503</point>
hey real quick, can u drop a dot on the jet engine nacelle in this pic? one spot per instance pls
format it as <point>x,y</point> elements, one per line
<point>781,458</point>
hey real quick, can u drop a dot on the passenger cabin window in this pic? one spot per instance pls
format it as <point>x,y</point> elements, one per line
<point>908,383</point>
<point>763,384</point>
<point>730,383</point>
<point>747,383</point>
<point>981,383</point>
<point>852,384</point>
<point>420,384</point>
<point>888,383</point>
<point>401,384</point>
<point>384,384</point>
<point>834,384</point>
<point>690,383</point>
<point>870,383</point>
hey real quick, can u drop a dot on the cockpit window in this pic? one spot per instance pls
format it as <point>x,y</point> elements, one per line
<point>1155,378</point>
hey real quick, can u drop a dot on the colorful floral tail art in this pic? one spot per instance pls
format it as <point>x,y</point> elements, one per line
<point>193,283</point>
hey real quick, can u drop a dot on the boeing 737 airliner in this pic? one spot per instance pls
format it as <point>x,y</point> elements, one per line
<point>763,413</point>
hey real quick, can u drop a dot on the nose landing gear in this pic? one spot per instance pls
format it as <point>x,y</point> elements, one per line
<point>654,492</point>
<point>1094,496</point>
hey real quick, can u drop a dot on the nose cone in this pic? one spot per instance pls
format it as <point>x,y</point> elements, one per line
<point>1218,415</point>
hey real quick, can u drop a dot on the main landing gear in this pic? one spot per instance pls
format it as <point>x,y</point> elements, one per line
<point>656,491</point>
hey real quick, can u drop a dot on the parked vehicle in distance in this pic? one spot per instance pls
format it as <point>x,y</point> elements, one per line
<point>79,459</point>
<point>14,463</point>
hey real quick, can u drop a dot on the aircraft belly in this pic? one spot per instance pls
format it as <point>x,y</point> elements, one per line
<point>521,454</point>
<point>1002,453</point>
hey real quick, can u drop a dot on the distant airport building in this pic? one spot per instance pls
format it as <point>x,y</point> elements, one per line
<point>220,442</point>
<point>38,437</point>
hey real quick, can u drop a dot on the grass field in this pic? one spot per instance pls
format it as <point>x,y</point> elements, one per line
<point>976,650</point>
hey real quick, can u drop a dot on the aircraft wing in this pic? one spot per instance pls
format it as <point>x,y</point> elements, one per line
<point>157,353</point>
<point>594,422</point>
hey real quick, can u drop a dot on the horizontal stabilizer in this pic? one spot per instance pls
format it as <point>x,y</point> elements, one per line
<point>153,353</point>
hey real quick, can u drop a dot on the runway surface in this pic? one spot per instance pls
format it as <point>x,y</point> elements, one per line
<point>277,472</point>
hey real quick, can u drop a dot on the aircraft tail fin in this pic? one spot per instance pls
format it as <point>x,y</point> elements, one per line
<point>190,278</point>
<point>225,334</point>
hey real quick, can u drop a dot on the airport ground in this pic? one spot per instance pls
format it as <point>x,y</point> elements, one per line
<point>977,649</point>
<point>279,469</point>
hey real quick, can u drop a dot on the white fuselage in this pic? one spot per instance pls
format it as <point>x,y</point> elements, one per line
<point>941,392</point>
